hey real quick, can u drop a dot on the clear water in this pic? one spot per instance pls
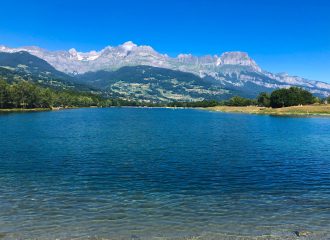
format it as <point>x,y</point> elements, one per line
<point>122,173</point>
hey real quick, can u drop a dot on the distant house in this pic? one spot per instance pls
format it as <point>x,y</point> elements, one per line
<point>325,102</point>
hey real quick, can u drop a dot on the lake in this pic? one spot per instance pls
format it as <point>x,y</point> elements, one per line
<point>123,173</point>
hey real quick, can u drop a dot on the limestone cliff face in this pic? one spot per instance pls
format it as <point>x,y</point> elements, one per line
<point>74,62</point>
<point>208,60</point>
<point>233,68</point>
<point>238,58</point>
<point>185,58</point>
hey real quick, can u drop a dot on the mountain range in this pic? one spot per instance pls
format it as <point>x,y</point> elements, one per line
<point>231,73</point>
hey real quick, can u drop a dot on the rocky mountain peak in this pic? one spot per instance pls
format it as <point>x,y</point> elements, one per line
<point>207,59</point>
<point>146,48</point>
<point>128,43</point>
<point>72,51</point>
<point>75,62</point>
<point>31,48</point>
<point>4,48</point>
<point>128,46</point>
<point>187,58</point>
<point>283,74</point>
<point>231,57</point>
<point>184,55</point>
<point>239,58</point>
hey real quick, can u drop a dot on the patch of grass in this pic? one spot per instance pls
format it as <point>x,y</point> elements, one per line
<point>311,110</point>
<point>24,110</point>
<point>22,66</point>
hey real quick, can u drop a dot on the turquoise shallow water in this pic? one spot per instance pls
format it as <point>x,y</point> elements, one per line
<point>157,173</point>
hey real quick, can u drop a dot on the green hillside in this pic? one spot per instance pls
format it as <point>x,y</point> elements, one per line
<point>145,82</point>
<point>250,90</point>
<point>11,76</point>
<point>26,63</point>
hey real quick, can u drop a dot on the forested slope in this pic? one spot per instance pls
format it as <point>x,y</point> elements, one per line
<point>27,63</point>
<point>158,84</point>
<point>11,77</point>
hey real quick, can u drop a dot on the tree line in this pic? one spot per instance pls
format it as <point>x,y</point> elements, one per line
<point>277,99</point>
<point>28,95</point>
<point>287,97</point>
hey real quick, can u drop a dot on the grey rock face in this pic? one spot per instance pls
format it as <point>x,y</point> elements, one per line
<point>286,78</point>
<point>4,48</point>
<point>239,58</point>
<point>74,62</point>
<point>129,54</point>
<point>185,58</point>
<point>208,59</point>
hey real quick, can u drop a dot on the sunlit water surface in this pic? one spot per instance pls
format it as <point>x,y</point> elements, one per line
<point>157,173</point>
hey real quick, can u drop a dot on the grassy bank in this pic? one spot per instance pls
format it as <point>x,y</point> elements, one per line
<point>38,109</point>
<point>303,110</point>
<point>24,109</point>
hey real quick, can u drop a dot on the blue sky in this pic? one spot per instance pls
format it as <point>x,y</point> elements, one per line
<point>290,36</point>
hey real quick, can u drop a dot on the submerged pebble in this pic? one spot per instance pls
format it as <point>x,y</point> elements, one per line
<point>301,233</point>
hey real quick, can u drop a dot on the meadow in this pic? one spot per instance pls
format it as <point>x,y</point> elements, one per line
<point>315,109</point>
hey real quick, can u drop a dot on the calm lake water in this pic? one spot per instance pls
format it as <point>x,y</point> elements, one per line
<point>128,173</point>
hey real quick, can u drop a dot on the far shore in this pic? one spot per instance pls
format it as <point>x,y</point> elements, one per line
<point>25,109</point>
<point>315,109</point>
<point>39,109</point>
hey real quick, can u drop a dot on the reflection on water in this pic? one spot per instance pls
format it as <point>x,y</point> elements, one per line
<point>157,173</point>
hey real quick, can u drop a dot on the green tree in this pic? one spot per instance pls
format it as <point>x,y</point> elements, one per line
<point>25,91</point>
<point>236,101</point>
<point>290,97</point>
<point>46,98</point>
<point>281,98</point>
<point>316,100</point>
<point>34,95</point>
<point>56,100</point>
<point>263,99</point>
<point>302,96</point>
<point>4,94</point>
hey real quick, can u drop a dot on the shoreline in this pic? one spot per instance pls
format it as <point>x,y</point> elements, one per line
<point>39,109</point>
<point>25,109</point>
<point>309,110</point>
<point>64,108</point>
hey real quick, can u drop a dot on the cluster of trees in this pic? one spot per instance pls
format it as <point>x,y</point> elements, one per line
<point>286,97</point>
<point>204,104</point>
<point>238,101</point>
<point>28,95</point>
<point>278,98</point>
<point>234,101</point>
